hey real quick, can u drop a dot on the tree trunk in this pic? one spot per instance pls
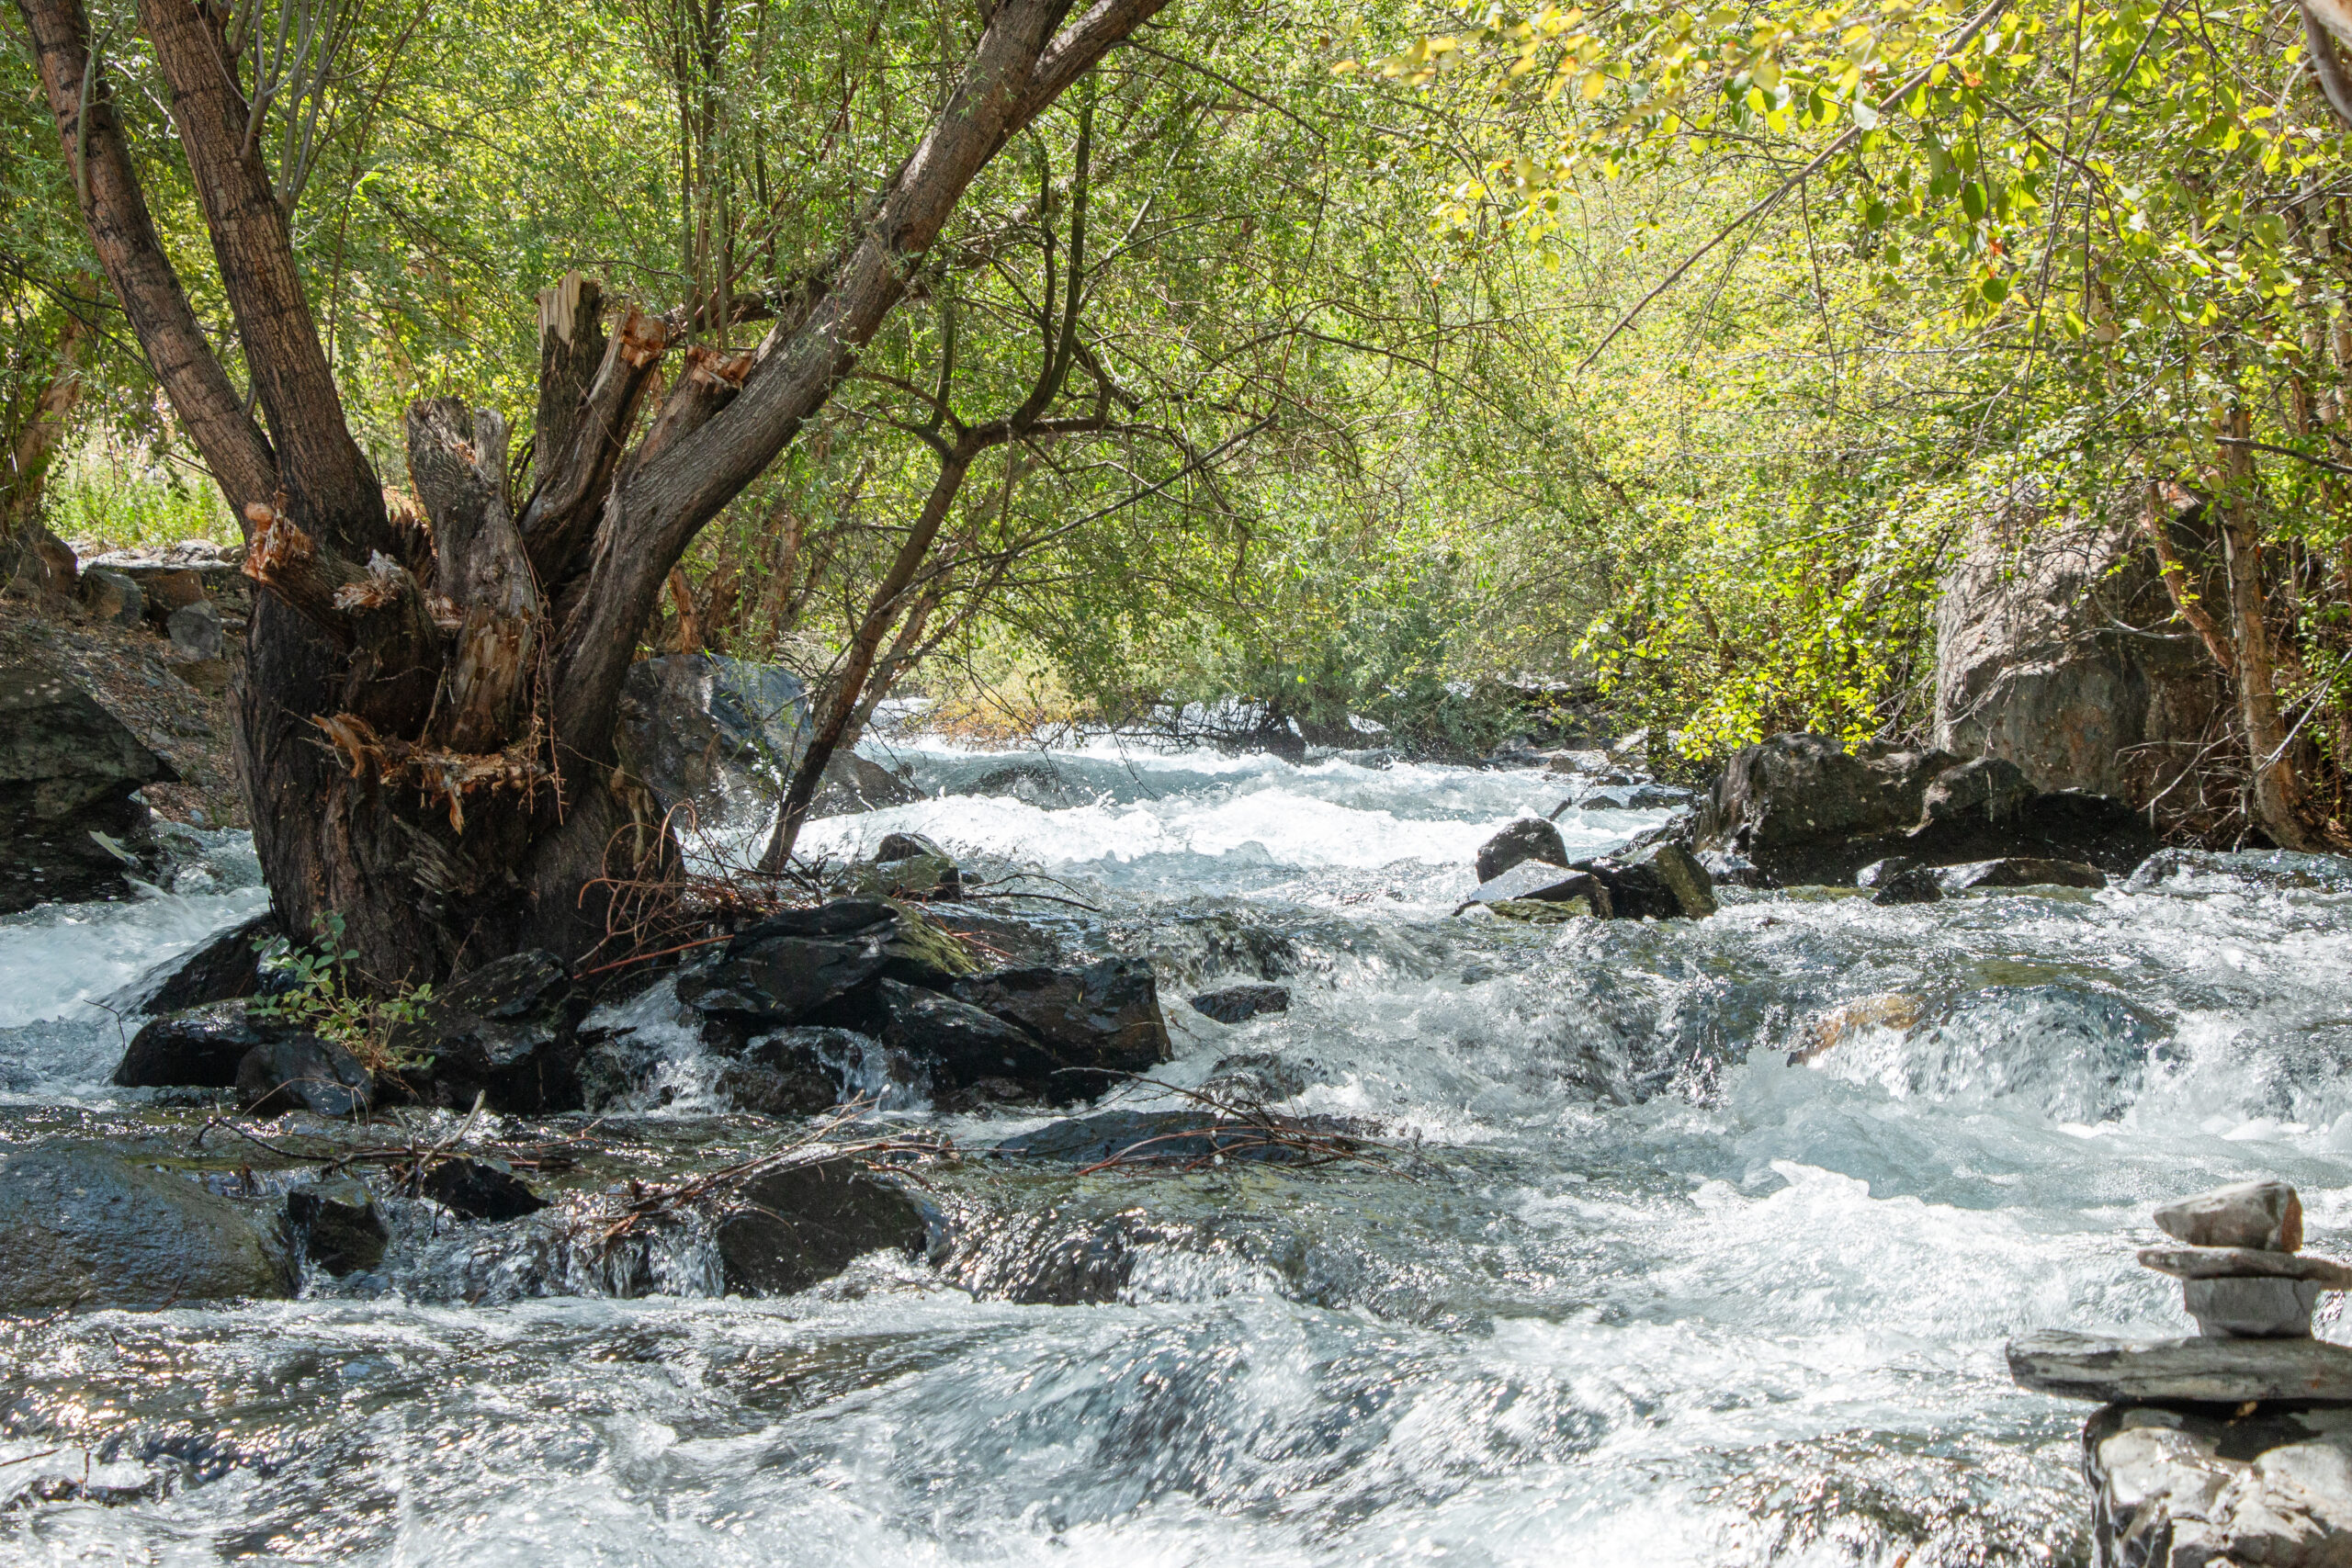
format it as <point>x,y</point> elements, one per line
<point>2275,786</point>
<point>33,559</point>
<point>425,722</point>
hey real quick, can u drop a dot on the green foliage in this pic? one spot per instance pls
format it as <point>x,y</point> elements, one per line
<point>321,990</point>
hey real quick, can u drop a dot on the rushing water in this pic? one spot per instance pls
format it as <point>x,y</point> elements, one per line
<point>1631,1288</point>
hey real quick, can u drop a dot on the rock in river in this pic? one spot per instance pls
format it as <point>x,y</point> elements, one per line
<point>88,1228</point>
<point>2209,1371</point>
<point>290,1072</point>
<point>804,1224</point>
<point>1530,837</point>
<point>1239,1004</point>
<point>70,825</point>
<point>508,1032</point>
<point>199,1048</point>
<point>2189,1488</point>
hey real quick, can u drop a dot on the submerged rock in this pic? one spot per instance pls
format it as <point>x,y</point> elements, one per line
<point>793,1072</point>
<point>337,1226</point>
<point>2019,870</point>
<point>2282,870</point>
<point>804,1224</point>
<point>87,1228</point>
<point>302,1072</point>
<point>1239,1004</point>
<point>476,1189</point>
<point>1181,1138</point>
<point>2187,1488</point>
<point>70,825</point>
<point>199,1048</point>
<point>1038,784</point>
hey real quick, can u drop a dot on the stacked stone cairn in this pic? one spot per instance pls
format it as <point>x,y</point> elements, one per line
<point>2232,1448</point>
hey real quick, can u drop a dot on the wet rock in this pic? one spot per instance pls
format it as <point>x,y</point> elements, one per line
<point>710,733</point>
<point>1259,1078</point>
<point>2266,1215</point>
<point>1729,868</point>
<point>798,1072</point>
<point>1990,788</point>
<point>1532,881</point>
<point>1530,837</point>
<point>302,1072</point>
<point>852,784</point>
<point>87,1228</point>
<point>197,1048</point>
<point>1180,1139</point>
<point>2019,870</point>
<point>907,865</point>
<point>69,825</point>
<point>1039,784</point>
<point>1239,1004</point>
<point>1889,1010</point>
<point>971,1051</point>
<point>787,966</point>
<point>1660,882</point>
<point>1017,944</point>
<point>479,1189</point>
<point>2057,649</point>
<point>195,630</point>
<point>803,1224</point>
<point>337,1226</point>
<point>1898,879</point>
<point>507,1032</point>
<point>2281,870</point>
<point>2177,1488</point>
<point>227,968</point>
<point>110,595</point>
<point>1103,1018</point>
<point>2207,1371</point>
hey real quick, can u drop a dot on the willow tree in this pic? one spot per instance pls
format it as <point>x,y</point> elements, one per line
<point>426,718</point>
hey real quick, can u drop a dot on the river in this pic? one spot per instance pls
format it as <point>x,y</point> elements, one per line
<point>1627,1286</point>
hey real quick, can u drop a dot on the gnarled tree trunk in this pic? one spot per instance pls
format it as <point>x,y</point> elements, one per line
<point>426,718</point>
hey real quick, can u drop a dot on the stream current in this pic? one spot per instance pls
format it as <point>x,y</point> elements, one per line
<point>1632,1287</point>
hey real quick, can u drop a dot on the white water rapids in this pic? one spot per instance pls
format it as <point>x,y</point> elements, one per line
<point>1645,1292</point>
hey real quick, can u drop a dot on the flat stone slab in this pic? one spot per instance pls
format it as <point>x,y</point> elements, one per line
<point>2244,1263</point>
<point>2204,1371</point>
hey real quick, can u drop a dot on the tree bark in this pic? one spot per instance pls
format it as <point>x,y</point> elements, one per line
<point>2275,786</point>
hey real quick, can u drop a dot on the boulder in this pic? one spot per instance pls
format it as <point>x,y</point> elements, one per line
<point>1899,879</point>
<point>1660,882</point>
<point>479,1189</point>
<point>907,865</point>
<point>2019,870</point>
<point>796,1072</point>
<point>1239,1004</point>
<point>70,824</point>
<point>37,564</point>
<point>1037,783</point>
<point>802,1224</point>
<point>336,1226</point>
<point>197,1048</point>
<point>1534,881</point>
<point>111,596</point>
<point>302,1072</point>
<point>1179,1138</point>
<point>2057,649</point>
<point>711,733</point>
<point>195,631</point>
<point>794,965</point>
<point>88,1228</point>
<point>852,784</point>
<point>1803,811</point>
<point>507,1032</point>
<point>968,1049</point>
<point>2265,1214</point>
<point>227,968</point>
<point>1530,837</point>
<point>2171,1488</point>
<point>1105,1016</point>
<point>2238,1307</point>
<point>2201,1372</point>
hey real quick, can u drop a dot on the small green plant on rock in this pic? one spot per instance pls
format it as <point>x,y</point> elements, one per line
<point>321,991</point>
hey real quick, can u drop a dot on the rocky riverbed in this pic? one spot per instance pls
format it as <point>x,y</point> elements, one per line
<point>1660,1240</point>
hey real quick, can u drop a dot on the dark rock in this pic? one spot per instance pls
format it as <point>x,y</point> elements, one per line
<point>852,784</point>
<point>803,1224</point>
<point>69,826</point>
<point>195,630</point>
<point>110,595</point>
<point>1729,868</point>
<point>198,1048</point>
<point>1530,837</point>
<point>1105,1016</point>
<point>907,865</point>
<point>508,1032</point>
<point>1039,784</point>
<point>1178,1137</point>
<point>166,590</point>
<point>1531,880</point>
<point>2058,649</point>
<point>795,1072</point>
<point>963,1048</point>
<point>87,1228</point>
<point>2277,870</point>
<point>789,964</point>
<point>476,1189</point>
<point>1239,1004</point>
<point>1658,882</point>
<point>337,1226</point>
<point>2018,871</point>
<point>225,969</point>
<point>292,1072</point>
<point>1014,943</point>
<point>2174,1487</point>
<point>1258,1077</point>
<point>711,733</point>
<point>1901,882</point>
<point>1990,788</point>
